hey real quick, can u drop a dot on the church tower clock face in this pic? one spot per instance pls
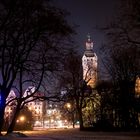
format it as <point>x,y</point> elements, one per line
<point>89,63</point>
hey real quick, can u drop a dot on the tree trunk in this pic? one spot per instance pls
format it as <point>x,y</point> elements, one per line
<point>73,120</point>
<point>80,119</point>
<point>2,109</point>
<point>14,119</point>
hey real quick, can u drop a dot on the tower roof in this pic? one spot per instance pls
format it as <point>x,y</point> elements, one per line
<point>89,47</point>
<point>89,53</point>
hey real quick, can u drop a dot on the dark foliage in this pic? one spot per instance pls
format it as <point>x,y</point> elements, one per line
<point>122,61</point>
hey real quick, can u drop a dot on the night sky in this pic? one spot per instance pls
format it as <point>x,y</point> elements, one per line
<point>88,14</point>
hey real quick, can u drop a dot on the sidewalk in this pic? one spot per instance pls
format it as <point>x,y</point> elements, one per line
<point>73,134</point>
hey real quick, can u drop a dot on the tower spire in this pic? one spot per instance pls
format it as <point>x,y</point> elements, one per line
<point>89,43</point>
<point>89,37</point>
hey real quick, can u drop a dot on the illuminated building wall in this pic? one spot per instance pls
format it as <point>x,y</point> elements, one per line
<point>44,115</point>
<point>11,106</point>
<point>36,107</point>
<point>89,63</point>
<point>53,116</point>
<point>137,86</point>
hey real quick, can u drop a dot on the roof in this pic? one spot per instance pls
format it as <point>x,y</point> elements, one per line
<point>89,53</point>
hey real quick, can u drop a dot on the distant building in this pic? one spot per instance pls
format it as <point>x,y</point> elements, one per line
<point>37,107</point>
<point>45,115</point>
<point>137,86</point>
<point>38,110</point>
<point>10,107</point>
<point>89,63</point>
<point>53,118</point>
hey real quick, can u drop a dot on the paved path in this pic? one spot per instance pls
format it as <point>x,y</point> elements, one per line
<point>74,134</point>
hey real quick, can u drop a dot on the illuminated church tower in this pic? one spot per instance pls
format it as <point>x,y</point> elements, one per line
<point>89,63</point>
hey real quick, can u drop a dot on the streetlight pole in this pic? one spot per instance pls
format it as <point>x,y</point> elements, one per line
<point>71,111</point>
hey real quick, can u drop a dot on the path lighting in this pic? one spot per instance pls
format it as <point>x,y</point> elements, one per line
<point>17,121</point>
<point>22,118</point>
<point>68,105</point>
<point>30,108</point>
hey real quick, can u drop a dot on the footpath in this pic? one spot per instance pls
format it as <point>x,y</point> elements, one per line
<point>71,134</point>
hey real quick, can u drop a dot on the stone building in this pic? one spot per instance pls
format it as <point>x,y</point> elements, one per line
<point>89,63</point>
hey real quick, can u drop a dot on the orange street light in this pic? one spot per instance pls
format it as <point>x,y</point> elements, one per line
<point>22,118</point>
<point>68,105</point>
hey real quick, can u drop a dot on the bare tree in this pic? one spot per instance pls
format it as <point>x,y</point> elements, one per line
<point>30,32</point>
<point>77,90</point>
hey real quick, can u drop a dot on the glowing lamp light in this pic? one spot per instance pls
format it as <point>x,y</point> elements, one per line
<point>77,122</point>
<point>30,108</point>
<point>22,118</point>
<point>65,121</point>
<point>68,105</point>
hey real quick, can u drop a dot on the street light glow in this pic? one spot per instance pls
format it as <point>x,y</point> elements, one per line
<point>22,118</point>
<point>68,105</point>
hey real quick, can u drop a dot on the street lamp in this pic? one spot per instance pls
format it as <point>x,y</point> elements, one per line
<point>70,109</point>
<point>22,118</point>
<point>68,105</point>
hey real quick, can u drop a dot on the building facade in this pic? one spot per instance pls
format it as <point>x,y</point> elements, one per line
<point>37,108</point>
<point>45,115</point>
<point>137,86</point>
<point>89,63</point>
